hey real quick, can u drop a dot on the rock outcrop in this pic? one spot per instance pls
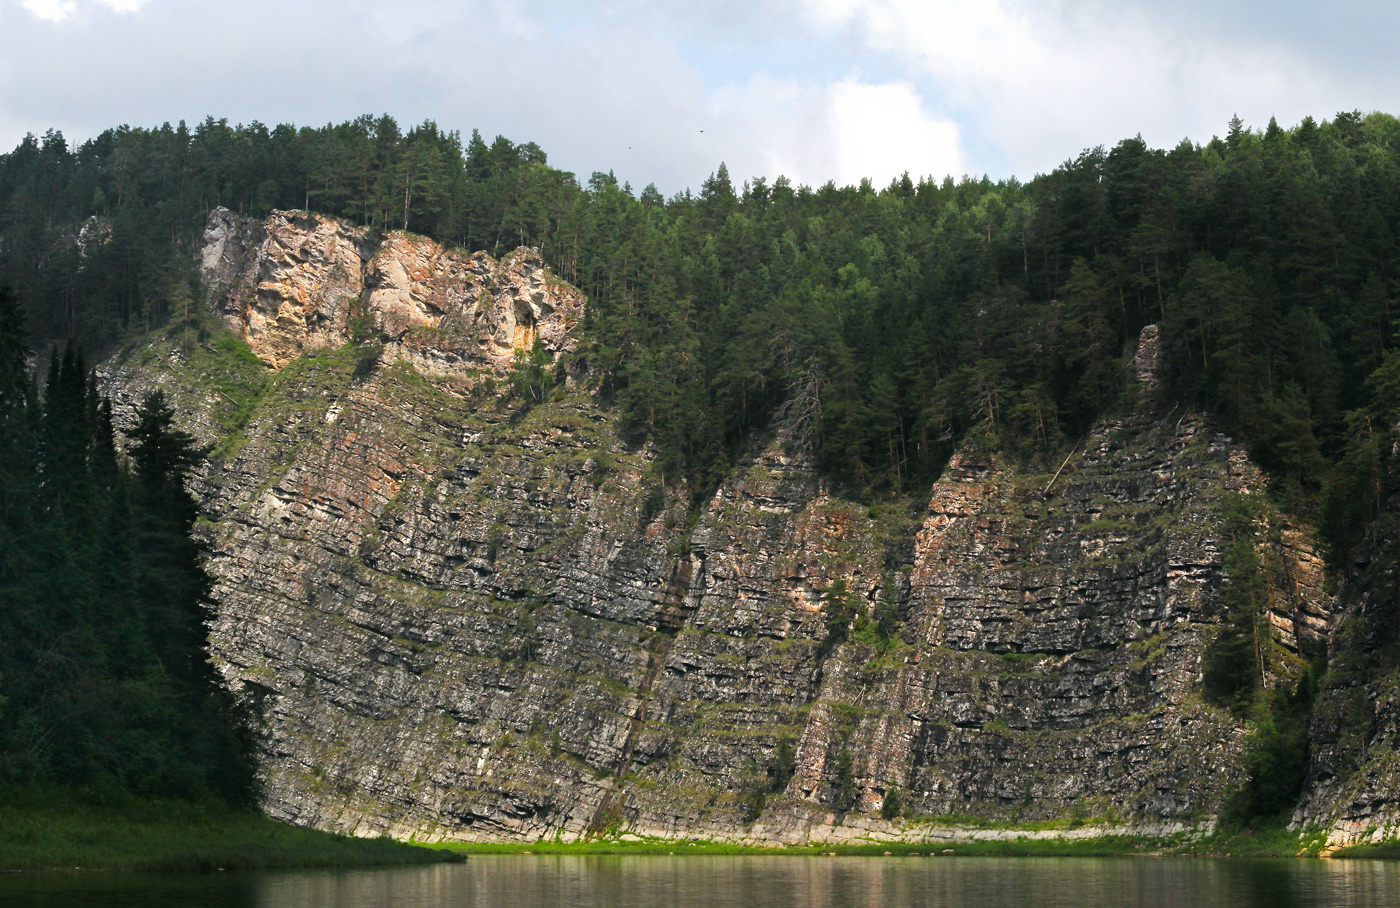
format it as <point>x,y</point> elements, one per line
<point>1353,786</point>
<point>473,621</point>
<point>299,282</point>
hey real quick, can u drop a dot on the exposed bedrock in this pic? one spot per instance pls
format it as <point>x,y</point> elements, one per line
<point>476,623</point>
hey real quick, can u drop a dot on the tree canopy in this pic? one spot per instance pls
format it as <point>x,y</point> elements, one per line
<point>877,326</point>
<point>105,677</point>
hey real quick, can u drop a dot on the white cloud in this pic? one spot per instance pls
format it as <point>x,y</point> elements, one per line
<point>59,10</point>
<point>841,132</point>
<point>814,89</point>
<point>1037,83</point>
<point>52,10</point>
<point>881,131</point>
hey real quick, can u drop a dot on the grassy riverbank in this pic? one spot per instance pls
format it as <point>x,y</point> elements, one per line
<point>1381,851</point>
<point>57,831</point>
<point>1098,847</point>
<point>1256,843</point>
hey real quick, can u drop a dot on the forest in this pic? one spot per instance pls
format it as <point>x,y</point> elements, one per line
<point>878,327</point>
<point>105,680</point>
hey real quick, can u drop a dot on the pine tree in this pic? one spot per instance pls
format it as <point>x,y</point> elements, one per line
<point>170,575</point>
<point>174,589</point>
<point>18,412</point>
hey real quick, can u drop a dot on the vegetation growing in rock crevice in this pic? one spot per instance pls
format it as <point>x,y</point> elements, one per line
<point>1237,668</point>
<point>772,778</point>
<point>530,376</point>
<point>843,782</point>
<point>840,608</point>
<point>1236,662</point>
<point>1276,754</point>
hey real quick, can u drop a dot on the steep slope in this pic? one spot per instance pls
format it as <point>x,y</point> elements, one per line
<point>1354,776</point>
<point>475,621</point>
<point>297,282</point>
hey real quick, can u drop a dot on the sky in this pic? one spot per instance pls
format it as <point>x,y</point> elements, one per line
<point>663,91</point>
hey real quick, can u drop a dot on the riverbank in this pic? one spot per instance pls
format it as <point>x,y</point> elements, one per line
<point>1100,847</point>
<point>1259,843</point>
<point>57,831</point>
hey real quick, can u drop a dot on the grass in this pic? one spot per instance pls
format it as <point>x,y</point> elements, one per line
<point>1103,846</point>
<point>1271,841</point>
<point>48,830</point>
<point>1267,839</point>
<point>1381,850</point>
<point>59,831</point>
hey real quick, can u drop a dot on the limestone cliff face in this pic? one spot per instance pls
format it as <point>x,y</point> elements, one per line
<point>296,282</point>
<point>1353,783</point>
<point>475,622</point>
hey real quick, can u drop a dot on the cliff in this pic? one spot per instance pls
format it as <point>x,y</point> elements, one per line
<point>297,282</point>
<point>1353,785</point>
<point>473,620</point>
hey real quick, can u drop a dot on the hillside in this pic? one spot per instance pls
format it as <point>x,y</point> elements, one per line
<point>763,512</point>
<point>475,615</point>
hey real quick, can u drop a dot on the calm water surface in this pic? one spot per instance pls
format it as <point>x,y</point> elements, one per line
<point>536,881</point>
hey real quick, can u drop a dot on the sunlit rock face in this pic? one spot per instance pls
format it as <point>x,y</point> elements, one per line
<point>299,282</point>
<point>472,621</point>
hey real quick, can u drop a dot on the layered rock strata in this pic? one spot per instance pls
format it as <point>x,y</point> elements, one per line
<point>1353,785</point>
<point>474,621</point>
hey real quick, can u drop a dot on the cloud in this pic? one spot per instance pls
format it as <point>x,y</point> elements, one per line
<point>1037,82</point>
<point>843,132</point>
<point>662,92</point>
<point>620,89</point>
<point>60,10</point>
<point>52,10</point>
<point>881,131</point>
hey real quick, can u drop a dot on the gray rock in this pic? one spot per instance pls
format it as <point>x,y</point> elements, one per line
<point>476,623</point>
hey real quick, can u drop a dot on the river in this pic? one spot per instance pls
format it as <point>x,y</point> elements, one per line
<point>537,881</point>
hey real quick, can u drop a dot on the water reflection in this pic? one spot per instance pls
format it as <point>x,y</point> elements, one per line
<point>533,881</point>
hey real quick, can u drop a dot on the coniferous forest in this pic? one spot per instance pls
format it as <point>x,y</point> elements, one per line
<point>103,663</point>
<point>880,326</point>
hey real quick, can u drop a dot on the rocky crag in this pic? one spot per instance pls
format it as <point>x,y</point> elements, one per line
<point>297,282</point>
<point>474,620</point>
<point>1352,778</point>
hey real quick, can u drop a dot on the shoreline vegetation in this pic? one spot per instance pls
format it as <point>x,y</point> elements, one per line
<point>63,832</point>
<point>1241,845</point>
<point>1261,842</point>
<point>58,831</point>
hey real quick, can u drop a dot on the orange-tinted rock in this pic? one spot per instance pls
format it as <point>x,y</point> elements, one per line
<point>298,282</point>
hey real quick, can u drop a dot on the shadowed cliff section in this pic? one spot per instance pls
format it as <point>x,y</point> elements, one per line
<point>480,621</point>
<point>1351,785</point>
